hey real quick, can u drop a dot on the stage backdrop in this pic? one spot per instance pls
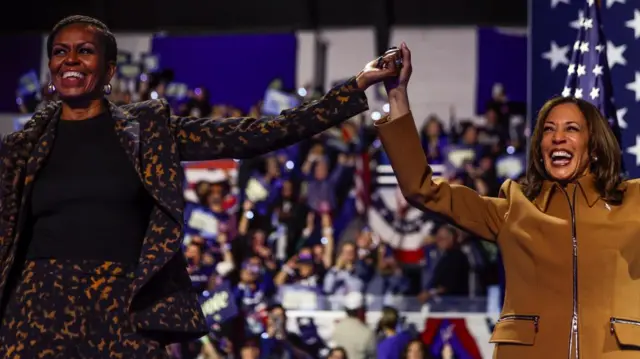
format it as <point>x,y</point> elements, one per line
<point>501,58</point>
<point>236,69</point>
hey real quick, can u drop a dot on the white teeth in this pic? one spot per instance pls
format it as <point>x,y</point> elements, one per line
<point>561,155</point>
<point>72,74</point>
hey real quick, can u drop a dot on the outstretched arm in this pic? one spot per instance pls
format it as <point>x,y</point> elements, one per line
<point>201,139</point>
<point>208,139</point>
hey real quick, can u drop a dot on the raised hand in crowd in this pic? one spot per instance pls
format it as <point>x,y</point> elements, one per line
<point>243,225</point>
<point>329,244</point>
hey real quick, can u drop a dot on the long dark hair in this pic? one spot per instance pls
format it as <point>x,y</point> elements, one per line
<point>602,144</point>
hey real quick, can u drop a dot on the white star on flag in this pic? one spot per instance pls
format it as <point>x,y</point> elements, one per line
<point>577,23</point>
<point>597,70</point>
<point>582,70</point>
<point>615,54</point>
<point>566,92</point>
<point>635,86</point>
<point>610,3</point>
<point>557,55</point>
<point>595,92</point>
<point>578,93</point>
<point>587,23</point>
<point>572,69</point>
<point>635,150</point>
<point>635,23</point>
<point>555,3</point>
<point>584,47</point>
<point>620,115</point>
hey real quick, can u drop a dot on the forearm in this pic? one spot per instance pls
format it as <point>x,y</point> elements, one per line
<point>244,137</point>
<point>398,104</point>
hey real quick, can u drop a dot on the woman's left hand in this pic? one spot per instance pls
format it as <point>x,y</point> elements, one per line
<point>373,73</point>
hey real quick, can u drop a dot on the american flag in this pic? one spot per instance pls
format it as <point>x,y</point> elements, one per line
<point>598,69</point>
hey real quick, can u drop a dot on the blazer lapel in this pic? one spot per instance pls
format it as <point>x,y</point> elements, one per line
<point>158,168</point>
<point>128,130</point>
<point>136,140</point>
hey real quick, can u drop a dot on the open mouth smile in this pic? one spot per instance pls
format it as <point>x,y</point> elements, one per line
<point>561,158</point>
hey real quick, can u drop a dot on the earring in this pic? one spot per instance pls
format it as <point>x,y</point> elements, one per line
<point>595,158</point>
<point>107,89</point>
<point>541,159</point>
<point>51,88</point>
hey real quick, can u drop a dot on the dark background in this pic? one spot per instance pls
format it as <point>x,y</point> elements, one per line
<point>209,16</point>
<point>262,15</point>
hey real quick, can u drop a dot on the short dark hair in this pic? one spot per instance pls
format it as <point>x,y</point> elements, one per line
<point>110,45</point>
<point>390,318</point>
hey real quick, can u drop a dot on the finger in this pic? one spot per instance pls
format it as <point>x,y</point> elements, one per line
<point>406,54</point>
<point>406,70</point>
<point>374,64</point>
<point>390,62</point>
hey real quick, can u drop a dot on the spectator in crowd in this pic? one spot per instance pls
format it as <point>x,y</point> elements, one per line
<point>337,353</point>
<point>252,292</point>
<point>278,342</point>
<point>393,339</point>
<point>348,274</point>
<point>434,139</point>
<point>451,273</point>
<point>251,349</point>
<point>322,184</point>
<point>416,349</point>
<point>299,270</point>
<point>351,333</point>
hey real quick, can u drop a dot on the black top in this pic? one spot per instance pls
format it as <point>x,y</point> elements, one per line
<point>88,201</point>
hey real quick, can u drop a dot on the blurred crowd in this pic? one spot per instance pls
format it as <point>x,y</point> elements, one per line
<point>286,231</point>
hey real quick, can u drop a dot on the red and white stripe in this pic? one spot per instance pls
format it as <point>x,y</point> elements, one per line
<point>408,248</point>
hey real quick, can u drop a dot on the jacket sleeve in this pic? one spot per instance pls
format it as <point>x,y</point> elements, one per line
<point>201,139</point>
<point>455,204</point>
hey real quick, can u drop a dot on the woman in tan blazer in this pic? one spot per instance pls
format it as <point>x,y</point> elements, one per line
<point>569,234</point>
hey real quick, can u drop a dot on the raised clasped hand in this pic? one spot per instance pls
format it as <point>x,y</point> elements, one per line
<point>385,69</point>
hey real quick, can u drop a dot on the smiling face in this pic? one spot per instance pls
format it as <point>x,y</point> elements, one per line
<point>77,65</point>
<point>565,143</point>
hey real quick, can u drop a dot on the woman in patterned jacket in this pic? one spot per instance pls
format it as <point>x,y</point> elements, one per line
<point>91,201</point>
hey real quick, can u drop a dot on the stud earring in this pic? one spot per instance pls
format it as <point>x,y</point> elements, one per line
<point>595,158</point>
<point>51,88</point>
<point>107,89</point>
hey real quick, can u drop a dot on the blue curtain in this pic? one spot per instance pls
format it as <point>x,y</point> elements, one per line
<point>236,69</point>
<point>501,57</point>
<point>23,54</point>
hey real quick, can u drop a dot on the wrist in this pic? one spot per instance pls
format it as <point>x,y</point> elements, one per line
<point>398,94</point>
<point>361,82</point>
